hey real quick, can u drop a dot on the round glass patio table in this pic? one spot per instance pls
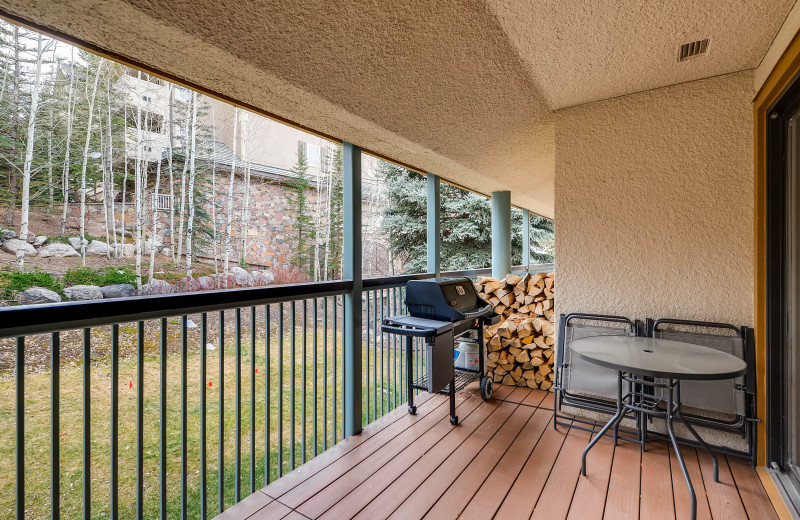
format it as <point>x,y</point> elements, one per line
<point>668,362</point>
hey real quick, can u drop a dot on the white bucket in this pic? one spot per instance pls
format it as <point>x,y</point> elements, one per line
<point>466,355</point>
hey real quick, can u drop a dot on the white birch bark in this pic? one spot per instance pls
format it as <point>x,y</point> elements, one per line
<point>155,219</point>
<point>110,149</point>
<point>229,223</point>
<point>26,168</point>
<point>246,144</point>
<point>214,194</point>
<point>182,211</point>
<point>138,188</point>
<point>190,194</point>
<point>171,177</point>
<point>68,143</point>
<point>86,160</point>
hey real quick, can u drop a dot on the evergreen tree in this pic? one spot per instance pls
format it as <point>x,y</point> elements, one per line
<point>303,227</point>
<point>466,225</point>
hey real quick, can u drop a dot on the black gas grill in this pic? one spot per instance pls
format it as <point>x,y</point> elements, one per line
<point>440,310</point>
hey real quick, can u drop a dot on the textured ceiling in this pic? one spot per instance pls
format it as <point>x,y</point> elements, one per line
<point>462,88</point>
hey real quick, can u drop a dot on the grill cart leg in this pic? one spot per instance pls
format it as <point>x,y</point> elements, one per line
<point>412,409</point>
<point>453,416</point>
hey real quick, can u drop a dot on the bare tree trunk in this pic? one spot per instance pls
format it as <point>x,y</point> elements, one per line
<point>246,143</point>
<point>171,179</point>
<point>138,189</point>
<point>70,118</point>
<point>229,224</point>
<point>26,168</point>
<point>14,170</point>
<point>50,189</point>
<point>182,212</point>
<point>105,189</point>
<point>124,176</point>
<point>86,161</point>
<point>190,219</point>
<point>110,192</point>
<point>214,194</point>
<point>155,219</point>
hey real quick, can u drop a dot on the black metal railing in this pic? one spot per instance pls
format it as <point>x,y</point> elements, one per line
<point>160,399</point>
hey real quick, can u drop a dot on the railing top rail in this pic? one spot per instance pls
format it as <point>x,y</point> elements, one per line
<point>45,318</point>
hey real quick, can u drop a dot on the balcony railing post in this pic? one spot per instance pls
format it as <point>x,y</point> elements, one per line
<point>526,239</point>
<point>434,224</point>
<point>501,233</point>
<point>352,261</point>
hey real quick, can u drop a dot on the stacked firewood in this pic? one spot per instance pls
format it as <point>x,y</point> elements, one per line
<point>521,347</point>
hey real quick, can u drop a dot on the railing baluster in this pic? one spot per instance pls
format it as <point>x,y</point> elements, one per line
<point>55,420</point>
<point>367,417</point>
<point>237,374</point>
<point>203,455</point>
<point>140,420</point>
<point>393,346</point>
<point>335,380</point>
<point>303,421</point>
<point>20,431</point>
<point>383,376</point>
<point>114,484</point>
<point>184,412</point>
<point>87,424</point>
<point>375,329</point>
<point>267,383</point>
<point>252,400</point>
<point>325,372</point>
<point>316,369</point>
<point>292,375</point>
<point>398,348</point>
<point>280,389</point>
<point>162,458</point>
<point>221,457</point>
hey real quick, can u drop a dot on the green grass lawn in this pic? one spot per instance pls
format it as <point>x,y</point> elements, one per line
<point>38,411</point>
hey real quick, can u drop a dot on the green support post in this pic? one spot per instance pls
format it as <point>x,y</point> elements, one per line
<point>526,239</point>
<point>352,260</point>
<point>434,225</point>
<point>501,234</point>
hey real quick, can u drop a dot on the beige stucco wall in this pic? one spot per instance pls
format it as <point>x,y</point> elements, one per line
<point>654,203</point>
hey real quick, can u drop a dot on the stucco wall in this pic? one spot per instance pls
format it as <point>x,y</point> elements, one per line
<point>654,203</point>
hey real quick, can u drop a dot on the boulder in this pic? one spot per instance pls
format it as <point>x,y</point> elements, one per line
<point>122,290</point>
<point>75,242</point>
<point>79,293</point>
<point>125,250</point>
<point>31,237</point>
<point>58,250</point>
<point>157,287</point>
<point>39,241</point>
<point>34,295</point>
<point>206,283</point>
<point>11,246</point>
<point>241,277</point>
<point>98,248</point>
<point>166,251</point>
<point>7,234</point>
<point>263,277</point>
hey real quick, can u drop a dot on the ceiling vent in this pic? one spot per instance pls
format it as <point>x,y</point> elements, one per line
<point>692,49</point>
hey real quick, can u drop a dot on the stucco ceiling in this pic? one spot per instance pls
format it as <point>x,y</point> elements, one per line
<point>464,89</point>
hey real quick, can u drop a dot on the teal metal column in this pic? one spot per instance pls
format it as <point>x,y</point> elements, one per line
<point>351,256</point>
<point>526,239</point>
<point>434,224</point>
<point>501,233</point>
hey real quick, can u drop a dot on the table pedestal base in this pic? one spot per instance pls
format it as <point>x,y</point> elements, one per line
<point>633,401</point>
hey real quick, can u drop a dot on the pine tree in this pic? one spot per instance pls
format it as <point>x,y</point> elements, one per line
<point>303,228</point>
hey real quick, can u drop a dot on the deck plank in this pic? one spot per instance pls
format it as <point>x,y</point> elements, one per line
<point>622,497</point>
<point>300,497</point>
<point>424,496</point>
<point>392,496</point>
<point>656,484</point>
<point>535,398</point>
<point>554,502</point>
<point>246,507</point>
<point>273,511</point>
<point>518,395</point>
<point>356,489</point>
<point>449,505</point>
<point>502,391</point>
<point>589,500</point>
<point>680,491</point>
<point>373,434</point>
<point>530,482</point>
<point>548,401</point>
<point>751,490</point>
<point>723,497</point>
<point>493,491</point>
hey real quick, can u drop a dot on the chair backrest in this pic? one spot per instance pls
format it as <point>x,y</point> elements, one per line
<point>577,375</point>
<point>726,396</point>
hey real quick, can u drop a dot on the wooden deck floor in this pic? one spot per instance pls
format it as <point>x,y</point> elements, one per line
<point>503,461</point>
